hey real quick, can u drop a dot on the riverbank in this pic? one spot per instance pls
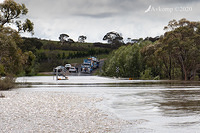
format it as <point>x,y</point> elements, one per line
<point>35,111</point>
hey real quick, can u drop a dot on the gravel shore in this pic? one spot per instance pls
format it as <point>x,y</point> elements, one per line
<point>54,112</point>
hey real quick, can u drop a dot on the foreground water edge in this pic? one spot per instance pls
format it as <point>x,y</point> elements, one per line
<point>159,106</point>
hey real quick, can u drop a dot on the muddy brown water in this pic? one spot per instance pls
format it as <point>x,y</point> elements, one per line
<point>154,106</point>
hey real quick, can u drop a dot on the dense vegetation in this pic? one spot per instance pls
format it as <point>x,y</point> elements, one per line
<point>176,55</point>
<point>50,54</point>
<point>13,61</point>
<point>128,59</point>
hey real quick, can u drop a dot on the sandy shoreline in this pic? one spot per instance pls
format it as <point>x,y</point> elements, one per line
<point>54,112</point>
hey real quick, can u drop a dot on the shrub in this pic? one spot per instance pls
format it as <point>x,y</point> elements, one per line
<point>7,83</point>
<point>146,75</point>
<point>1,70</point>
<point>2,95</point>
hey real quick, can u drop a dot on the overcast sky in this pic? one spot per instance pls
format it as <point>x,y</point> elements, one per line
<point>95,18</point>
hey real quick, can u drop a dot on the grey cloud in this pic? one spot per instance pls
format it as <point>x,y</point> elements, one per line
<point>89,16</point>
<point>176,1</point>
<point>167,3</point>
<point>86,8</point>
<point>98,15</point>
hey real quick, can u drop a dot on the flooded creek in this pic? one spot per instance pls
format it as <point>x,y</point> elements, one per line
<point>153,106</point>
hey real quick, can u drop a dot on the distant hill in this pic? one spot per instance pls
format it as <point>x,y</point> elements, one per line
<point>50,53</point>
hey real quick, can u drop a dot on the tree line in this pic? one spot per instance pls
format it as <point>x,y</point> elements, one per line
<point>12,59</point>
<point>175,55</point>
<point>21,56</point>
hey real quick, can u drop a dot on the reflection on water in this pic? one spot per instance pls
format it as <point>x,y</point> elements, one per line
<point>165,109</point>
<point>184,124</point>
<point>155,106</point>
<point>180,102</point>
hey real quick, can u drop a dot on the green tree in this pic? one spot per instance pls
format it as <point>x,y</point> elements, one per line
<point>127,59</point>
<point>30,44</point>
<point>63,38</point>
<point>156,60</point>
<point>12,58</point>
<point>114,38</point>
<point>82,38</point>
<point>177,54</point>
<point>29,63</point>
<point>10,54</point>
<point>182,42</point>
<point>11,12</point>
